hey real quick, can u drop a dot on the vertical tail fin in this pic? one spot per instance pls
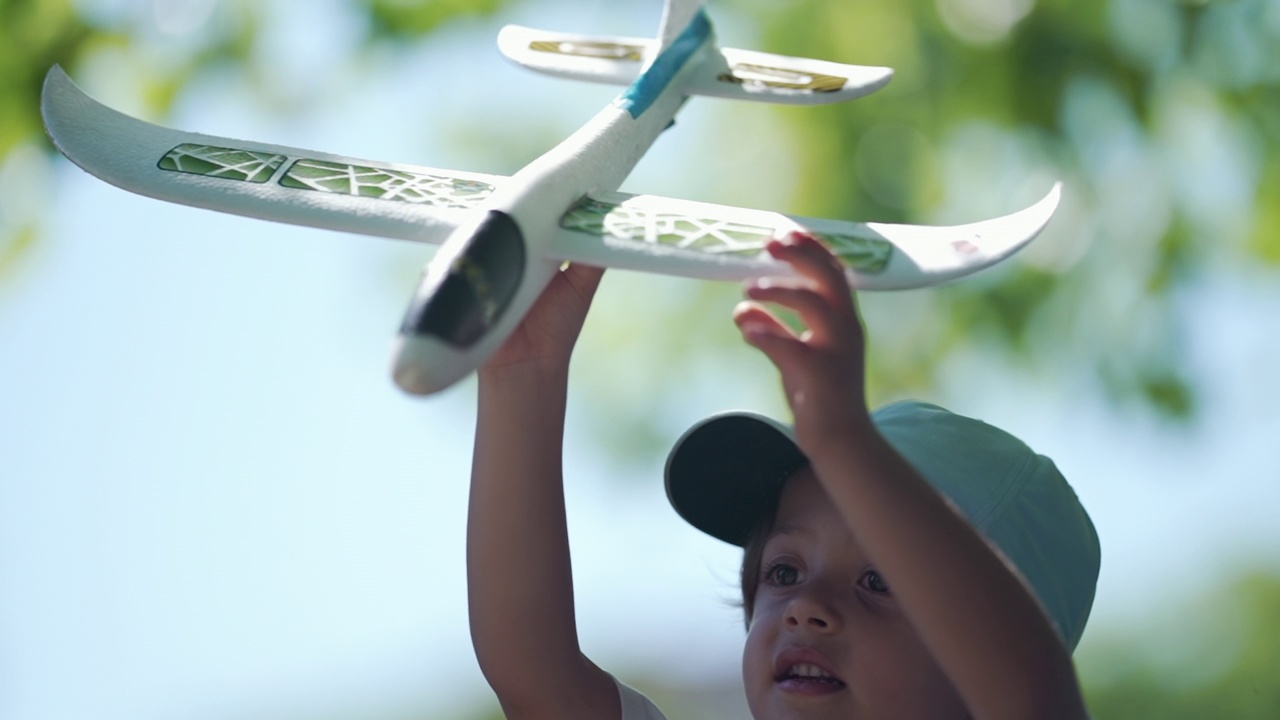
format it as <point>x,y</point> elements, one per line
<point>676,16</point>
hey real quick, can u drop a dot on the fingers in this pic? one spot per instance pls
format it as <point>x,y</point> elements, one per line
<point>763,330</point>
<point>754,320</point>
<point>812,260</point>
<point>821,366</point>
<point>820,295</point>
<point>819,314</point>
<point>584,279</point>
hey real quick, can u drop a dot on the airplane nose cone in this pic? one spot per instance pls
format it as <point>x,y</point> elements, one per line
<point>409,366</point>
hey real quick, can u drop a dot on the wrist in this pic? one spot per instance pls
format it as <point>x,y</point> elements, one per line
<point>531,373</point>
<point>851,432</point>
<point>526,390</point>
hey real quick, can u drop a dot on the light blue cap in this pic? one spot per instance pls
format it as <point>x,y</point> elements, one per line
<point>727,471</point>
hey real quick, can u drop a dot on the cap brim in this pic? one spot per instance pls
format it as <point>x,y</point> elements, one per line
<point>725,474</point>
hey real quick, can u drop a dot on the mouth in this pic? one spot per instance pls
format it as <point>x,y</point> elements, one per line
<point>805,672</point>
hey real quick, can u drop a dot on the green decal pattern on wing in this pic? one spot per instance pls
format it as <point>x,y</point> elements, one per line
<point>867,255</point>
<point>220,162</point>
<point>714,237</point>
<point>710,236</point>
<point>385,184</point>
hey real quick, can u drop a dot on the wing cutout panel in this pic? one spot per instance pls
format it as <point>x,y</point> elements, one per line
<point>713,236</point>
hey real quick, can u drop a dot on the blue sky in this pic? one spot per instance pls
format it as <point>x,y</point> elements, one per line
<point>214,503</point>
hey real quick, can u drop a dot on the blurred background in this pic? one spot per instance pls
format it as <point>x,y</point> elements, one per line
<point>214,504</point>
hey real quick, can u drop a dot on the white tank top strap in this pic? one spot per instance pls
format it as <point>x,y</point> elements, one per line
<point>636,706</point>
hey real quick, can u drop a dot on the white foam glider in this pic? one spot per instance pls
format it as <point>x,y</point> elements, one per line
<point>503,238</point>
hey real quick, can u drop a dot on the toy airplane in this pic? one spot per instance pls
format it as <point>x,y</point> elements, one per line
<point>504,238</point>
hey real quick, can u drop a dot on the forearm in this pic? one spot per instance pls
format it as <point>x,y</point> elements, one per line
<point>520,588</point>
<point>979,620</point>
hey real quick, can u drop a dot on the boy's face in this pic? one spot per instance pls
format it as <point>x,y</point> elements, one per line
<point>827,637</point>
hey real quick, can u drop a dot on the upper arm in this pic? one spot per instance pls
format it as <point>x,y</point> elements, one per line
<point>583,692</point>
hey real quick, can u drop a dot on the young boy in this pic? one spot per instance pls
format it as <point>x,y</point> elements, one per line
<point>867,592</point>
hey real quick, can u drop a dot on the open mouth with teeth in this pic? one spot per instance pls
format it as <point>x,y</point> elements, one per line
<point>809,679</point>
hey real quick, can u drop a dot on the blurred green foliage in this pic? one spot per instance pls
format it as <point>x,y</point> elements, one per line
<point>411,20</point>
<point>1217,659</point>
<point>1158,115</point>
<point>33,35</point>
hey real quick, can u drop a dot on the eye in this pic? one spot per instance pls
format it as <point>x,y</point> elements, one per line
<point>781,574</point>
<point>872,581</point>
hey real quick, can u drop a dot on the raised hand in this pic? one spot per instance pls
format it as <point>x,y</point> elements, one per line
<point>545,338</point>
<point>822,366</point>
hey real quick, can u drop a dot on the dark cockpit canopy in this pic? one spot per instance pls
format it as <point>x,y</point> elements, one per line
<point>477,288</point>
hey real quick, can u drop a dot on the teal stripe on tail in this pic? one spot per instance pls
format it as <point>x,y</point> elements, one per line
<point>640,95</point>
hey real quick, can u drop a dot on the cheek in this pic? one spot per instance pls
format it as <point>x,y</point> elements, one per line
<point>757,654</point>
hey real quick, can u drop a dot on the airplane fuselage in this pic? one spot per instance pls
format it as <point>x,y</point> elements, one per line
<point>489,272</point>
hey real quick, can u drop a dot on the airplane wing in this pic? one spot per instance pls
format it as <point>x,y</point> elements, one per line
<point>407,202</point>
<point>724,72</point>
<point>258,180</point>
<point>717,242</point>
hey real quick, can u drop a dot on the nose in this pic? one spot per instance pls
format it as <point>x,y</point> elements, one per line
<point>809,610</point>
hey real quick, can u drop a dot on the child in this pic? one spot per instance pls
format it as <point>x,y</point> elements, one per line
<point>867,593</point>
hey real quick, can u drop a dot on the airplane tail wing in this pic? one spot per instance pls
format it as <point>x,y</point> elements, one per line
<point>766,77</point>
<point>724,72</point>
<point>593,58</point>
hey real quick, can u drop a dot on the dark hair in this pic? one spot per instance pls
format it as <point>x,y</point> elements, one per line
<point>752,555</point>
<point>754,542</point>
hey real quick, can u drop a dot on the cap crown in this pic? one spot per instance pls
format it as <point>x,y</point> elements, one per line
<point>1015,497</point>
<point>725,474</point>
